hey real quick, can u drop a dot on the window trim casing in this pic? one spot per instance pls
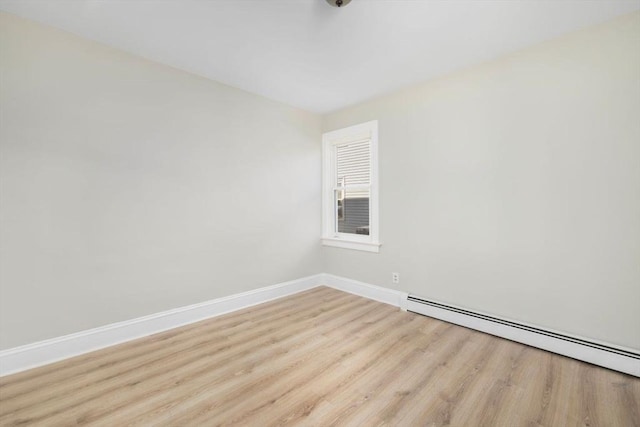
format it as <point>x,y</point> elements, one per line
<point>370,243</point>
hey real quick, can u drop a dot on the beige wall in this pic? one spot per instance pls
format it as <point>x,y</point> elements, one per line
<point>513,187</point>
<point>128,187</point>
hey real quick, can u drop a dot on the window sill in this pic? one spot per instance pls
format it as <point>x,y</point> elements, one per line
<point>351,244</point>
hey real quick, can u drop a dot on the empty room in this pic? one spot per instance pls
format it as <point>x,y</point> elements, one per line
<point>320,213</point>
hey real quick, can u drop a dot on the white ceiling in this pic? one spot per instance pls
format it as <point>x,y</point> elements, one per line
<point>310,55</point>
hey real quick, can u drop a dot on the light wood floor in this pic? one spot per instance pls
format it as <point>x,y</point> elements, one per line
<point>320,358</point>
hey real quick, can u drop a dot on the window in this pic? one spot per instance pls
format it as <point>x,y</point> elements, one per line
<point>350,187</point>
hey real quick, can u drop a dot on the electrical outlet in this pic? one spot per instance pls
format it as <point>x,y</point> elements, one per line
<point>395,278</point>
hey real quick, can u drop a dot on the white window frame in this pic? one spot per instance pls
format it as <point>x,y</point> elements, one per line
<point>330,235</point>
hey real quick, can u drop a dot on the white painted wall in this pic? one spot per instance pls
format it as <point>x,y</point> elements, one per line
<point>513,187</point>
<point>128,187</point>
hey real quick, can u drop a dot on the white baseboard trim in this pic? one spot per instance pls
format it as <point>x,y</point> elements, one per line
<point>377,293</point>
<point>598,353</point>
<point>52,350</point>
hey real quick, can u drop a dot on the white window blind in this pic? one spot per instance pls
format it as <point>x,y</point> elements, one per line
<point>353,161</point>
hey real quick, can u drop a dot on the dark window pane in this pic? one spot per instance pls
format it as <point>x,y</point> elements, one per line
<point>353,212</point>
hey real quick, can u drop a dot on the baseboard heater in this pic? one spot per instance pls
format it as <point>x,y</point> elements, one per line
<point>609,356</point>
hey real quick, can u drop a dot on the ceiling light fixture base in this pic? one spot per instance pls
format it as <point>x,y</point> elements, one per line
<point>338,3</point>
